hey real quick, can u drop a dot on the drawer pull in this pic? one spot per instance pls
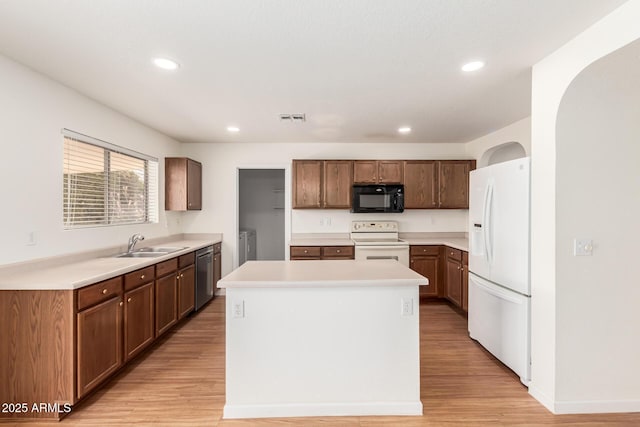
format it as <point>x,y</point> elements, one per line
<point>104,292</point>
<point>306,251</point>
<point>338,251</point>
<point>142,277</point>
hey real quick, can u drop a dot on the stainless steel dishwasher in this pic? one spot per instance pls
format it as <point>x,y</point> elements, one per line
<point>204,276</point>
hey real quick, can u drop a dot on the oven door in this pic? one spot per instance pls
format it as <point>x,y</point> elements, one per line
<point>370,252</point>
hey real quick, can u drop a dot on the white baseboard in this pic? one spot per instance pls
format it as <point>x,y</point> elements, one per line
<point>584,406</point>
<point>322,409</point>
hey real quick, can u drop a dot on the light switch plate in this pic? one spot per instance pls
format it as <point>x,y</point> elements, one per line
<point>582,247</point>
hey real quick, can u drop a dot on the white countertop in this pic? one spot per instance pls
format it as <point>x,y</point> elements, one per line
<point>265,274</point>
<point>41,275</point>
<point>453,240</point>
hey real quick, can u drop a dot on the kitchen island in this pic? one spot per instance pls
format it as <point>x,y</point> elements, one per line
<point>322,338</point>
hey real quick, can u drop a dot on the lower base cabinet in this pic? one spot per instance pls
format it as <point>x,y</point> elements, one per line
<point>166,303</point>
<point>138,320</point>
<point>99,343</point>
<point>425,260</point>
<point>186,291</point>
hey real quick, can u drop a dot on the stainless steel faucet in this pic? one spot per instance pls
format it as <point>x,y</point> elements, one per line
<point>133,240</point>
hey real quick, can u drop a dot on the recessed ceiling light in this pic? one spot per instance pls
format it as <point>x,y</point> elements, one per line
<point>165,63</point>
<point>233,129</point>
<point>404,130</point>
<point>472,66</point>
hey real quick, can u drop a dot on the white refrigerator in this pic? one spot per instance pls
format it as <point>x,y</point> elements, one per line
<point>499,267</point>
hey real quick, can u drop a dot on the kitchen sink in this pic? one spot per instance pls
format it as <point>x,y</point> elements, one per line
<point>141,254</point>
<point>150,252</point>
<point>167,249</point>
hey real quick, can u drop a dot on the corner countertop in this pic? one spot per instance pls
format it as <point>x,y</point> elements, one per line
<point>453,240</point>
<point>333,273</point>
<point>62,273</point>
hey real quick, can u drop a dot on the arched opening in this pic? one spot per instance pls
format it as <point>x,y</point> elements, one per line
<point>501,153</point>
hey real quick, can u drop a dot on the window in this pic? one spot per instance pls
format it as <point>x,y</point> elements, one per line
<point>107,185</point>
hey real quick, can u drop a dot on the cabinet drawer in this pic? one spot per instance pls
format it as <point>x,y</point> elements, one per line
<point>305,251</point>
<point>217,248</point>
<point>337,251</point>
<point>99,292</point>
<point>455,254</point>
<point>139,277</point>
<point>187,259</point>
<point>425,250</point>
<point>166,267</point>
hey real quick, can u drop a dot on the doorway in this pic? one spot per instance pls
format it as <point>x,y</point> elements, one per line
<point>261,215</point>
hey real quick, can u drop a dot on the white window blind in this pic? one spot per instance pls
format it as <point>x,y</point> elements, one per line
<point>104,184</point>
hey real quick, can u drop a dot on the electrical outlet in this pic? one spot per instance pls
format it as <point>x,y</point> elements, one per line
<point>582,247</point>
<point>237,308</point>
<point>407,306</point>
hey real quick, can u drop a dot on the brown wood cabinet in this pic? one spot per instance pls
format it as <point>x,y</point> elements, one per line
<point>453,183</point>
<point>186,289</point>
<point>420,184</point>
<point>99,337</point>
<point>166,306</point>
<point>307,183</point>
<point>139,319</point>
<point>453,278</point>
<point>321,252</point>
<point>183,184</point>
<point>338,179</point>
<point>377,171</point>
<point>425,260</point>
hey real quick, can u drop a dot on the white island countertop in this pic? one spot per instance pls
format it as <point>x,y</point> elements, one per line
<point>325,273</point>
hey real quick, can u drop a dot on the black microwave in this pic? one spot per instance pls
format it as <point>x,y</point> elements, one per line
<point>377,198</point>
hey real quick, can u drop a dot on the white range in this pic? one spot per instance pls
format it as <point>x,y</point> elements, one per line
<point>379,240</point>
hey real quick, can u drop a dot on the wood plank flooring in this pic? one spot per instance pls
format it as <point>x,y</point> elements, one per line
<point>181,383</point>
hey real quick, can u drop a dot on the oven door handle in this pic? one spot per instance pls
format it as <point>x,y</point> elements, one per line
<point>393,257</point>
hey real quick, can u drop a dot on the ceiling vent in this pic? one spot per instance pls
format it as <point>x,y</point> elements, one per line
<point>293,118</point>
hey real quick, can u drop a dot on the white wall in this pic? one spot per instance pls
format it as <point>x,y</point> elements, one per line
<point>597,185</point>
<point>556,381</point>
<point>33,110</point>
<point>221,162</point>
<point>260,210</point>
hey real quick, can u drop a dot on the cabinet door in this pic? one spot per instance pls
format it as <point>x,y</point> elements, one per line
<point>390,171</point>
<point>420,184</point>
<point>307,183</point>
<point>365,172</point>
<point>453,182</point>
<point>194,185</point>
<point>186,291</point>
<point>465,281</point>
<point>99,343</point>
<point>428,267</point>
<point>453,288</point>
<point>166,303</point>
<point>338,180</point>
<point>138,320</point>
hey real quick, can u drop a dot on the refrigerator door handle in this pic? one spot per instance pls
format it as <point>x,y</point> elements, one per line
<point>497,292</point>
<point>487,224</point>
<point>484,222</point>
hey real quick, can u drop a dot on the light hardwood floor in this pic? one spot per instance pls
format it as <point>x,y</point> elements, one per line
<point>180,382</point>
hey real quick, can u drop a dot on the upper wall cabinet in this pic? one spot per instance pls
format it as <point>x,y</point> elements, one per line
<point>307,183</point>
<point>322,184</point>
<point>182,184</point>
<point>453,182</point>
<point>377,171</point>
<point>420,184</point>
<point>338,176</point>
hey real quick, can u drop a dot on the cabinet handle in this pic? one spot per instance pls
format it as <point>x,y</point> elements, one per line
<point>189,204</point>
<point>121,304</point>
<point>338,251</point>
<point>129,299</point>
<point>142,277</point>
<point>424,250</point>
<point>104,292</point>
<point>306,252</point>
<point>178,277</point>
<point>182,275</point>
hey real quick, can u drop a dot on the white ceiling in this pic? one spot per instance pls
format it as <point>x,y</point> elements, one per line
<point>359,69</point>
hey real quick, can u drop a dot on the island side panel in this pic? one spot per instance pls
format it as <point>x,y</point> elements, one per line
<point>36,351</point>
<point>328,350</point>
